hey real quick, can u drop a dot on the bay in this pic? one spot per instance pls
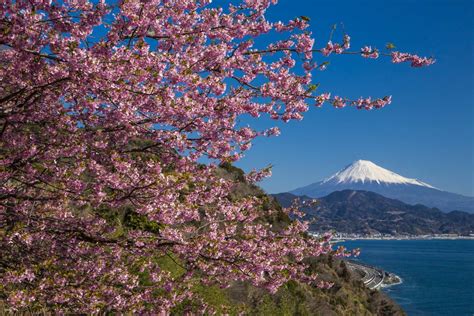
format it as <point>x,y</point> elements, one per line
<point>438,275</point>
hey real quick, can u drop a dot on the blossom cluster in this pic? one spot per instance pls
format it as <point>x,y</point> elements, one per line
<point>107,112</point>
<point>361,103</point>
<point>369,52</point>
<point>415,60</point>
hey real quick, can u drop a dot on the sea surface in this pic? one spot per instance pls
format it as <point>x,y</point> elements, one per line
<point>437,275</point>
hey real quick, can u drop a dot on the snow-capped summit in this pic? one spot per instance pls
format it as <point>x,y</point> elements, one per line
<point>367,176</point>
<point>366,171</point>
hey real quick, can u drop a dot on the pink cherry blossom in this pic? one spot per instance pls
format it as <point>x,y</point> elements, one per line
<point>326,51</point>
<point>415,60</point>
<point>368,52</point>
<point>339,102</point>
<point>107,112</point>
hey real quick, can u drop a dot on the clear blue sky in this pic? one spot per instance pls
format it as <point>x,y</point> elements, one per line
<point>427,131</point>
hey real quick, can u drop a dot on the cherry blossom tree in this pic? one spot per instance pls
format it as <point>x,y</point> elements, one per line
<point>106,113</point>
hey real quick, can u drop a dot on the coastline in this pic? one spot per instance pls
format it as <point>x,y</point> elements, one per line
<point>339,237</point>
<point>387,285</point>
<point>373,277</point>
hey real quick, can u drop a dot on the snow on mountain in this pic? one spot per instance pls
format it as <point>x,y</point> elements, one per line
<point>367,176</point>
<point>366,171</point>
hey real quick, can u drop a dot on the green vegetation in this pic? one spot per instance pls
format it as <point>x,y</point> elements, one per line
<point>348,296</point>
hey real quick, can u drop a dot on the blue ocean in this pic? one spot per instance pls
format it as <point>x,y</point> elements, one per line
<point>438,275</point>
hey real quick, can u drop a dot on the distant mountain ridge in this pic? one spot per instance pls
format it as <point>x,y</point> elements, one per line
<point>363,212</point>
<point>367,176</point>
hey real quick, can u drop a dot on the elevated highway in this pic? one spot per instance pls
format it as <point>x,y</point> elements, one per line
<point>372,277</point>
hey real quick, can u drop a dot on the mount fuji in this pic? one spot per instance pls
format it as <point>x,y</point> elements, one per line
<point>367,176</point>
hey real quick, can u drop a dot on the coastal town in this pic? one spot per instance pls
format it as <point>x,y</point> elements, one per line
<point>339,237</point>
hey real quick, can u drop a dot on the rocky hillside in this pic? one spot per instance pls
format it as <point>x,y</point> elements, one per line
<point>364,212</point>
